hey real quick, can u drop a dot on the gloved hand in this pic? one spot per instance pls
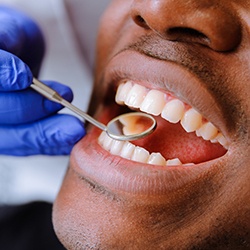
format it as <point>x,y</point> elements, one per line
<point>28,122</point>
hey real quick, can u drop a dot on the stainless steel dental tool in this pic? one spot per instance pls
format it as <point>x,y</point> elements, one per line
<point>126,127</point>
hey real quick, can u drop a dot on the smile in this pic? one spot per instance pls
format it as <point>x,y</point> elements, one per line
<point>190,141</point>
<point>167,107</point>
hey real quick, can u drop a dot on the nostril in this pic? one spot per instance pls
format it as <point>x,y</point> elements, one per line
<point>139,20</point>
<point>180,31</point>
<point>201,22</point>
<point>187,34</point>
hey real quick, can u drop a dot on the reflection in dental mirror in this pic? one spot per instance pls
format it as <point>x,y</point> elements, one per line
<point>126,127</point>
<point>131,126</point>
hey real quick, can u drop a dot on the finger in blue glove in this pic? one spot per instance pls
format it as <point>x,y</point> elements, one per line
<point>14,73</point>
<point>55,135</point>
<point>25,106</point>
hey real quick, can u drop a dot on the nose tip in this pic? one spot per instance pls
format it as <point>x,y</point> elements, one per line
<point>193,21</point>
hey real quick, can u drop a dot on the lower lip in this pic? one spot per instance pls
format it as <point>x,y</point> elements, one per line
<point>117,175</point>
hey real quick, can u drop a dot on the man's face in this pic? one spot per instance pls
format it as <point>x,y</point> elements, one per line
<point>187,185</point>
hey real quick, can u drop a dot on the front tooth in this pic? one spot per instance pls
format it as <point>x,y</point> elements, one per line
<point>136,96</point>
<point>122,92</point>
<point>173,162</point>
<point>207,131</point>
<point>127,150</point>
<point>153,103</point>
<point>173,111</point>
<point>140,155</point>
<point>116,147</point>
<point>191,121</point>
<point>157,159</point>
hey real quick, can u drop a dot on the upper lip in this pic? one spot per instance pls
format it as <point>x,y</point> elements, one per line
<point>168,77</point>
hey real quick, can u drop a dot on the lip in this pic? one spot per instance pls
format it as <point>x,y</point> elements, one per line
<point>94,164</point>
<point>117,175</point>
<point>168,77</point>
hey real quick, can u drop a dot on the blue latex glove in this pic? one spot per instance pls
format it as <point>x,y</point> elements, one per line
<point>28,122</point>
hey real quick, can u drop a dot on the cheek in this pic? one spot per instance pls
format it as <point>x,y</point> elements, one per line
<point>111,28</point>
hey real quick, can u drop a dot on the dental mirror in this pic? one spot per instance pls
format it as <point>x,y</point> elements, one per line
<point>131,126</point>
<point>126,127</point>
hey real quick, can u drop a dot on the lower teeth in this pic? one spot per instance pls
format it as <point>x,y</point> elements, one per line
<point>135,153</point>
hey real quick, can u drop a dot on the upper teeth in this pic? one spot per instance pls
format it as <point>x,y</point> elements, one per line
<point>171,109</point>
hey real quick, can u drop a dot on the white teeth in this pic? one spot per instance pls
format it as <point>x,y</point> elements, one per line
<point>191,121</point>
<point>140,155</point>
<point>102,138</point>
<point>116,147</point>
<point>188,165</point>
<point>122,92</point>
<point>157,159</point>
<point>207,131</point>
<point>220,139</point>
<point>107,142</point>
<point>153,103</point>
<point>131,152</point>
<point>127,150</point>
<point>136,96</point>
<point>174,162</point>
<point>173,111</point>
<point>223,141</point>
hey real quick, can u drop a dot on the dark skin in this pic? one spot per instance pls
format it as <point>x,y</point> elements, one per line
<point>198,51</point>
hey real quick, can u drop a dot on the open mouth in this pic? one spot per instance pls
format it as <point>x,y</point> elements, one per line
<point>183,136</point>
<point>186,144</point>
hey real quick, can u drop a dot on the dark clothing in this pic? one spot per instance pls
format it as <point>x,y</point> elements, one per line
<point>28,227</point>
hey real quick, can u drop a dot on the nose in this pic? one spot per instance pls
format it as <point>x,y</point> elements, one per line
<point>206,22</point>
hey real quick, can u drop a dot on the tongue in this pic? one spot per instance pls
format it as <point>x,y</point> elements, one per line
<point>173,142</point>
